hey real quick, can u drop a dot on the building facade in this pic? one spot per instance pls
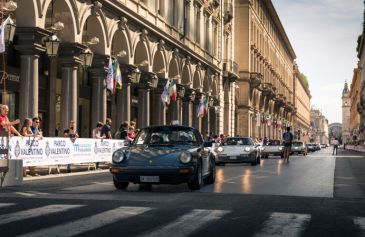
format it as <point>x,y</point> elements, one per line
<point>190,42</point>
<point>355,103</point>
<point>265,93</point>
<point>361,66</point>
<point>319,127</point>
<point>346,112</point>
<point>302,113</point>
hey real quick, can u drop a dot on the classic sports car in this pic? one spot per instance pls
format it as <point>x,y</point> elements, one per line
<point>273,148</point>
<point>299,148</point>
<point>237,150</point>
<point>164,155</point>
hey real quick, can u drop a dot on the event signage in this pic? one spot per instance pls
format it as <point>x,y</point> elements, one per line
<point>59,151</point>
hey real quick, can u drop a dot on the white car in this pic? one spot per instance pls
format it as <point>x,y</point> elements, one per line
<point>237,150</point>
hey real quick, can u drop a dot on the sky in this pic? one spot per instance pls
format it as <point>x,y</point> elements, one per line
<point>324,35</point>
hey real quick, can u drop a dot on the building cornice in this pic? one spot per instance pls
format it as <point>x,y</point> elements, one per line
<point>280,27</point>
<point>120,9</point>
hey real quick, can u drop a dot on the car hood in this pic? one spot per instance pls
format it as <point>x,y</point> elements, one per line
<point>155,155</point>
<point>235,149</point>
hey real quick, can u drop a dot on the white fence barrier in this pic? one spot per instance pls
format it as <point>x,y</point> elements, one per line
<point>359,148</point>
<point>61,151</point>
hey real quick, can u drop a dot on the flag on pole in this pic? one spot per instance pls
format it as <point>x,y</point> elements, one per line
<point>206,106</point>
<point>200,112</point>
<point>172,90</point>
<point>110,76</point>
<point>117,76</point>
<point>2,33</point>
<point>165,97</point>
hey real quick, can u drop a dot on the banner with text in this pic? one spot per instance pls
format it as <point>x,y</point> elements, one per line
<point>60,151</point>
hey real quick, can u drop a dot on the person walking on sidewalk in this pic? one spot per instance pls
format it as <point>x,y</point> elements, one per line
<point>335,147</point>
<point>288,138</point>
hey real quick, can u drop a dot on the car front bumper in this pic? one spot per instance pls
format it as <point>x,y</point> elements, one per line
<point>241,158</point>
<point>165,175</point>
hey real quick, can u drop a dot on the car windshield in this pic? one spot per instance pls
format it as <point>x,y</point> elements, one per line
<point>240,141</point>
<point>274,143</point>
<point>166,135</point>
<point>297,143</point>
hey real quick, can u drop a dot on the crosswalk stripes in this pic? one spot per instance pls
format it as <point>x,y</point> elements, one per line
<point>188,223</point>
<point>360,223</point>
<point>35,212</point>
<point>278,223</point>
<point>284,224</point>
<point>6,204</point>
<point>89,223</point>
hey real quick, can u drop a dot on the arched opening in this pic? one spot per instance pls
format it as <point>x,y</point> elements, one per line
<point>174,70</point>
<point>158,65</point>
<point>185,77</point>
<point>93,35</point>
<point>26,14</point>
<point>141,59</point>
<point>120,47</point>
<point>196,81</point>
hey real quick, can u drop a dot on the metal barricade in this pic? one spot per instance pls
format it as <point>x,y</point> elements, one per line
<point>4,159</point>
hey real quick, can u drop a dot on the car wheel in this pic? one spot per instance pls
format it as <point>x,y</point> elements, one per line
<point>120,185</point>
<point>253,163</point>
<point>210,179</point>
<point>197,181</point>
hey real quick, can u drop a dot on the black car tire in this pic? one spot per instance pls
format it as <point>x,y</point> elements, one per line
<point>120,185</point>
<point>253,163</point>
<point>210,179</point>
<point>197,181</point>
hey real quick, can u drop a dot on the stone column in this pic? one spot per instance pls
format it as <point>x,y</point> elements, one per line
<point>51,95</point>
<point>187,102</point>
<point>148,81</point>
<point>197,121</point>
<point>98,100</point>
<point>69,59</point>
<point>30,46</point>
<point>159,117</point>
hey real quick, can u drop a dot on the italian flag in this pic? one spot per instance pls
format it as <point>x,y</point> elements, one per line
<point>172,90</point>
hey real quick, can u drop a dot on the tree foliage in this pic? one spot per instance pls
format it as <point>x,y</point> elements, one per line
<point>304,79</point>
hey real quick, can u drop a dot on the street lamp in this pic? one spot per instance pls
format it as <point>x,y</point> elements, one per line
<point>86,57</point>
<point>52,44</point>
<point>10,31</point>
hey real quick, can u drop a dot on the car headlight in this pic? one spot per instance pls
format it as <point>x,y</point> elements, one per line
<point>220,149</point>
<point>185,157</point>
<point>280,148</point>
<point>118,156</point>
<point>247,149</point>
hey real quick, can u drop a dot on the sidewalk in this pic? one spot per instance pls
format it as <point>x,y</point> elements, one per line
<point>349,174</point>
<point>43,171</point>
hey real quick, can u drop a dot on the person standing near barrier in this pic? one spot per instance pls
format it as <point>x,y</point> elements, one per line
<point>26,131</point>
<point>106,131</point>
<point>72,134</point>
<point>335,147</point>
<point>35,127</point>
<point>97,130</point>
<point>5,124</point>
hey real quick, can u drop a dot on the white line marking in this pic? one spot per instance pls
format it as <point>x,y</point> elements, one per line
<point>35,212</point>
<point>360,222</point>
<point>6,204</point>
<point>187,224</point>
<point>284,224</point>
<point>89,223</point>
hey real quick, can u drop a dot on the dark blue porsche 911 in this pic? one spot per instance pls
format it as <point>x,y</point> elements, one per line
<point>164,155</point>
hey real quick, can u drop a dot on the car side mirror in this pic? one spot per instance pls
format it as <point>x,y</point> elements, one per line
<point>208,144</point>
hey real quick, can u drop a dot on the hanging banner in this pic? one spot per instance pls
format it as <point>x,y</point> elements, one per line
<point>60,151</point>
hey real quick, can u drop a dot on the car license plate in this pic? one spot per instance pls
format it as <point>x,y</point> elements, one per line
<point>233,157</point>
<point>149,179</point>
